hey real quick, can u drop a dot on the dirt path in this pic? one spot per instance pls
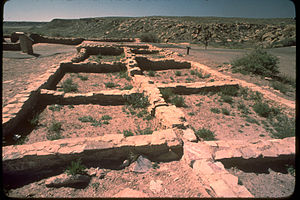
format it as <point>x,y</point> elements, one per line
<point>18,68</point>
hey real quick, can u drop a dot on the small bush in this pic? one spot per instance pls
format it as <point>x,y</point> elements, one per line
<point>110,85</point>
<point>69,86</point>
<point>137,101</point>
<point>151,73</point>
<point>149,37</point>
<point>215,110</point>
<point>146,131</point>
<point>279,86</point>
<point>227,99</point>
<point>230,91</point>
<point>35,120</point>
<point>225,111</point>
<point>106,117</point>
<point>85,119</point>
<point>54,131</point>
<point>124,74</point>
<point>167,93</point>
<point>83,78</point>
<point>257,62</point>
<point>205,134</point>
<point>76,168</point>
<point>178,101</point>
<point>55,107</point>
<point>263,109</point>
<point>127,87</point>
<point>177,73</point>
<point>127,133</point>
<point>284,127</point>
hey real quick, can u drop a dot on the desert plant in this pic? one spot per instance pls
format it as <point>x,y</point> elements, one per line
<point>110,85</point>
<point>178,101</point>
<point>127,87</point>
<point>225,111</point>
<point>283,126</point>
<point>215,110</point>
<point>35,120</point>
<point>127,133</point>
<point>177,73</point>
<point>227,99</point>
<point>76,167</point>
<point>124,74</point>
<point>205,134</point>
<point>264,110</point>
<point>85,119</point>
<point>151,73</point>
<point>69,86</point>
<point>54,131</point>
<point>146,131</point>
<point>257,62</point>
<point>137,100</point>
<point>55,107</point>
<point>279,86</point>
<point>230,91</point>
<point>106,117</point>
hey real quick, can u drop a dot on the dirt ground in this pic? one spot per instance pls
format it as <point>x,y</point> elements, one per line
<point>229,126</point>
<point>69,116</point>
<point>18,68</point>
<point>172,174</point>
<point>180,76</point>
<point>89,82</point>
<point>177,178</point>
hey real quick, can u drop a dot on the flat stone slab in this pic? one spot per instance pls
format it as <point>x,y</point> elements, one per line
<point>49,154</point>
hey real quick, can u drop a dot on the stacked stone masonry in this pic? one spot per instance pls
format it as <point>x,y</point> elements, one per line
<point>206,158</point>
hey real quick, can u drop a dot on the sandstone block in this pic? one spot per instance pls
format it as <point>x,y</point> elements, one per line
<point>189,135</point>
<point>221,189</point>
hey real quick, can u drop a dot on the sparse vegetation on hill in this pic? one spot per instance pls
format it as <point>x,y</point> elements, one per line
<point>228,32</point>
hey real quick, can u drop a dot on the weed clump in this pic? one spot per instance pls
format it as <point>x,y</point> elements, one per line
<point>54,131</point>
<point>205,134</point>
<point>69,86</point>
<point>137,100</point>
<point>170,97</point>
<point>76,167</point>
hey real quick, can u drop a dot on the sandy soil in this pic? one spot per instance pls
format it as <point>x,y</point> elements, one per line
<point>73,127</point>
<point>18,68</point>
<point>267,185</point>
<point>179,76</point>
<point>226,127</point>
<point>173,176</point>
<point>95,81</point>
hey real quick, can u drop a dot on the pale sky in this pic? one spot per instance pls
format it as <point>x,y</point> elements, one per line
<point>46,10</point>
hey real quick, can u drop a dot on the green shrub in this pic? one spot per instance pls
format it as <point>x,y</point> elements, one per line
<point>76,168</point>
<point>83,78</point>
<point>127,133</point>
<point>227,99</point>
<point>177,73</point>
<point>230,91</point>
<point>127,87</point>
<point>35,120</point>
<point>284,127</point>
<point>54,131</point>
<point>85,119</point>
<point>251,120</point>
<point>149,37</point>
<point>215,110</point>
<point>146,131</point>
<point>257,62</point>
<point>151,73</point>
<point>225,111</point>
<point>69,86</point>
<point>106,117</point>
<point>205,134</point>
<point>279,86</point>
<point>55,107</point>
<point>137,100</point>
<point>178,101</point>
<point>264,110</point>
<point>167,93</point>
<point>110,85</point>
<point>124,74</point>
<point>243,108</point>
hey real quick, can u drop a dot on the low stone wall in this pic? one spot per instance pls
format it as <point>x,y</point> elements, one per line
<point>93,67</point>
<point>161,64</point>
<point>55,40</point>
<point>98,48</point>
<point>11,46</point>
<point>112,39</point>
<point>104,97</point>
<point>32,160</point>
<point>144,51</point>
<point>193,88</point>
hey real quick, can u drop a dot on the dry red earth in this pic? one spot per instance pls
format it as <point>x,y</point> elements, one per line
<point>69,116</point>
<point>178,178</point>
